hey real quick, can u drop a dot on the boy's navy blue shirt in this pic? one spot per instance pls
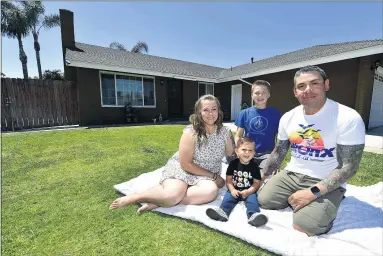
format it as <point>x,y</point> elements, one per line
<point>261,125</point>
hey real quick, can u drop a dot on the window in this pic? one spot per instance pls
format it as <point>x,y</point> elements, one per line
<point>118,90</point>
<point>108,90</point>
<point>205,88</point>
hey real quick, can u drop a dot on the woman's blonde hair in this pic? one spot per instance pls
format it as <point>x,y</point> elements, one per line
<point>198,123</point>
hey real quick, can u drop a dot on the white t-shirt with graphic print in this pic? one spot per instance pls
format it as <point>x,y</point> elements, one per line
<point>313,138</point>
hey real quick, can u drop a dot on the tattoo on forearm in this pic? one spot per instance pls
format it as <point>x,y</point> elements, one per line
<point>348,157</point>
<point>276,158</point>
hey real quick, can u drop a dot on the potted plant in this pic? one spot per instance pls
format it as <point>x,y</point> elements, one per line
<point>244,105</point>
<point>129,112</point>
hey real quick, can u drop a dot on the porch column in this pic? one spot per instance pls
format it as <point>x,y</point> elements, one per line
<point>364,88</point>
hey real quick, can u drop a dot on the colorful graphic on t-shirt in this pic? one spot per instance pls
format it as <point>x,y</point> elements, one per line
<point>307,143</point>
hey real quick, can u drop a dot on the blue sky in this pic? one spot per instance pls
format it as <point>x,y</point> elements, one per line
<point>221,34</point>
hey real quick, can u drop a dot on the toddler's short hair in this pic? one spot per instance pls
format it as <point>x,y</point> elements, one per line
<point>243,140</point>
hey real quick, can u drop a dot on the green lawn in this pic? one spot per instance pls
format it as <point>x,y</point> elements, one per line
<point>57,187</point>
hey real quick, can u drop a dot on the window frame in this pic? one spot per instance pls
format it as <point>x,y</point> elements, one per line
<point>115,89</point>
<point>206,83</point>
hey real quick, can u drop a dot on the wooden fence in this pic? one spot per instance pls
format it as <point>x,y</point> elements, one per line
<point>37,103</point>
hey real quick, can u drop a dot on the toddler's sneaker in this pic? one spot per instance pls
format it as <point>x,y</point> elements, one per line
<point>257,219</point>
<point>217,214</point>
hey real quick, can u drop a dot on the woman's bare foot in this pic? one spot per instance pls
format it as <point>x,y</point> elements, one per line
<point>122,201</point>
<point>146,207</point>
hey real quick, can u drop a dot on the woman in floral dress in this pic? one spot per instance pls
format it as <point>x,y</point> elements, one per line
<point>193,174</point>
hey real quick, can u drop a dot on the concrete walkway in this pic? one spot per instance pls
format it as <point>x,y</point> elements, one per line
<point>374,150</point>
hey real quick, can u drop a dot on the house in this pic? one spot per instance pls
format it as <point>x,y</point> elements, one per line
<point>107,79</point>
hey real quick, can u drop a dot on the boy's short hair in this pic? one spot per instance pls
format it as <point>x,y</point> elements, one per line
<point>243,140</point>
<point>261,82</point>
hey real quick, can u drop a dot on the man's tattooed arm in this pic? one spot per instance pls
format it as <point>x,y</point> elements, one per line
<point>231,156</point>
<point>276,157</point>
<point>349,157</point>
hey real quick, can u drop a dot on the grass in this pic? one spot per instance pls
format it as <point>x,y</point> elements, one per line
<point>57,187</point>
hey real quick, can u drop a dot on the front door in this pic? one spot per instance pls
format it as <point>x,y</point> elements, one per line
<point>236,100</point>
<point>174,87</point>
<point>376,112</point>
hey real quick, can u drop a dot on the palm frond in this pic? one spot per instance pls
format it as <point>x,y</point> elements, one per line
<point>118,46</point>
<point>52,20</point>
<point>6,9</point>
<point>33,11</point>
<point>14,24</point>
<point>140,47</point>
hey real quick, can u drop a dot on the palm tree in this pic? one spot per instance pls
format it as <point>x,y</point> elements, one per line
<point>118,46</point>
<point>140,47</point>
<point>36,19</point>
<point>14,25</point>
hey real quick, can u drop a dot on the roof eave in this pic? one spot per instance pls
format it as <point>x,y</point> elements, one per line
<point>333,58</point>
<point>81,64</point>
<point>337,57</point>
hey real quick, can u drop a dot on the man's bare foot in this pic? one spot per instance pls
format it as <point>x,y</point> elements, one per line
<point>122,201</point>
<point>146,207</point>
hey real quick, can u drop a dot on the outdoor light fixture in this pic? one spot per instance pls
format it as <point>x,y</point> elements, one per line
<point>162,82</point>
<point>376,65</point>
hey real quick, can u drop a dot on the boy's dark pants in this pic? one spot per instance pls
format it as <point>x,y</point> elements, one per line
<point>229,202</point>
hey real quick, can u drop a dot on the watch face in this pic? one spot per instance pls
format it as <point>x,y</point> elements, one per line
<point>315,189</point>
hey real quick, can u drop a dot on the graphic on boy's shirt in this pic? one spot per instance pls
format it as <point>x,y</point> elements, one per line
<point>258,124</point>
<point>242,180</point>
<point>307,144</point>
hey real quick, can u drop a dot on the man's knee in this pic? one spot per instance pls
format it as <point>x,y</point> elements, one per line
<point>264,199</point>
<point>268,199</point>
<point>310,225</point>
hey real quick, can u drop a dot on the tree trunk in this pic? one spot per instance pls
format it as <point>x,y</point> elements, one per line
<point>37,49</point>
<point>23,58</point>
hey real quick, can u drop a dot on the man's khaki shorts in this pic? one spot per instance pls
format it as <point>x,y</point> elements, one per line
<point>315,218</point>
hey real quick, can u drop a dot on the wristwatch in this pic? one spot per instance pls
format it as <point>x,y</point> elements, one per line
<point>315,190</point>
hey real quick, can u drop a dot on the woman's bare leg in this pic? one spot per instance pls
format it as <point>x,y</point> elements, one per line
<point>203,192</point>
<point>146,207</point>
<point>168,194</point>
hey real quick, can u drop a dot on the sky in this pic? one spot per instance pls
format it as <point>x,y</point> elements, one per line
<point>221,34</point>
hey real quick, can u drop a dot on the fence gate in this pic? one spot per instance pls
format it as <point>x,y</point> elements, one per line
<point>37,103</point>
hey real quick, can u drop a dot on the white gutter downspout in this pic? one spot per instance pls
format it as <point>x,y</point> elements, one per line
<point>246,82</point>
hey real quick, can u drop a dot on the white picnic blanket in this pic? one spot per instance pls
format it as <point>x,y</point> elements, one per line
<point>357,230</point>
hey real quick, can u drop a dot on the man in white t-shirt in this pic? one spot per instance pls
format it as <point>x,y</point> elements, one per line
<point>327,141</point>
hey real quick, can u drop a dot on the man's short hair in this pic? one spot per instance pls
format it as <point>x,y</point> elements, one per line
<point>308,69</point>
